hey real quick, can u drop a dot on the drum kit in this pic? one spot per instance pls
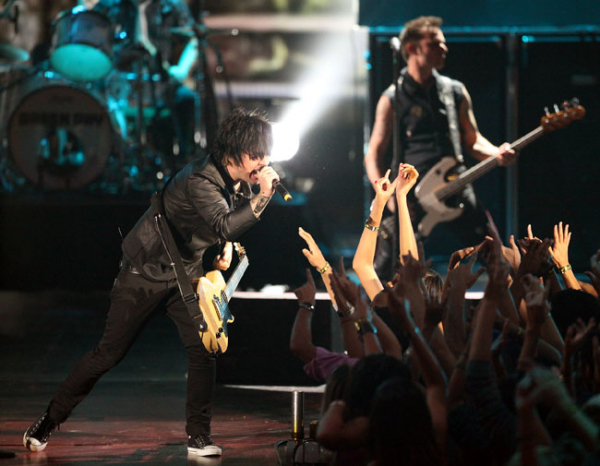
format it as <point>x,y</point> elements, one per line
<point>77,121</point>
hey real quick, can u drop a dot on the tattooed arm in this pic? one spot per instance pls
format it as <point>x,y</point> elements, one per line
<point>266,176</point>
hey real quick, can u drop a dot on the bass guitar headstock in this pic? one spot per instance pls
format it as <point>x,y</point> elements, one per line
<point>568,112</point>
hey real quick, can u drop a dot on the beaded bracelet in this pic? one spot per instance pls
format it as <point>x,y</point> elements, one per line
<point>325,268</point>
<point>564,269</point>
<point>368,226</point>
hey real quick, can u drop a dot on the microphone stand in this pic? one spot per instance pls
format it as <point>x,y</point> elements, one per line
<point>395,45</point>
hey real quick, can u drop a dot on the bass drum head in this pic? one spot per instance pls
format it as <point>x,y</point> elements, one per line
<point>59,138</point>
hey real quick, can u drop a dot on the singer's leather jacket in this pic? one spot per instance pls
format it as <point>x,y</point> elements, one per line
<point>201,208</point>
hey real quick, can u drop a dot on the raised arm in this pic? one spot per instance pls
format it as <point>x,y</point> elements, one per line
<point>407,177</point>
<point>315,258</point>
<point>365,251</point>
<point>361,333</point>
<point>301,338</point>
<point>560,255</point>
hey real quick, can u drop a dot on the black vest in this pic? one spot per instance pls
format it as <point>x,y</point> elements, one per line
<point>424,129</point>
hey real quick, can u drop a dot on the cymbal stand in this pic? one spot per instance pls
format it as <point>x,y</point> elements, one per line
<point>200,95</point>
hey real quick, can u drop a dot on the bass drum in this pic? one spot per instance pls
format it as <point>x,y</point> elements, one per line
<point>60,137</point>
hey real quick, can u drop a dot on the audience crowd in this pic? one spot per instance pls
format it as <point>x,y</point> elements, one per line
<point>429,379</point>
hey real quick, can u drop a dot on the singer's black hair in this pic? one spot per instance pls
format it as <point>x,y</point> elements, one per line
<point>241,133</point>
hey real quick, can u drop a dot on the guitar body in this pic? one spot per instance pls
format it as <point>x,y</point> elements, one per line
<point>442,182</point>
<point>213,298</point>
<point>436,211</point>
<point>215,309</point>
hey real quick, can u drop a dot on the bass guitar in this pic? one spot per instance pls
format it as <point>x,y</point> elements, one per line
<point>441,182</point>
<point>214,295</point>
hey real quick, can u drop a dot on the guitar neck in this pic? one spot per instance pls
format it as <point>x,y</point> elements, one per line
<point>455,186</point>
<point>235,278</point>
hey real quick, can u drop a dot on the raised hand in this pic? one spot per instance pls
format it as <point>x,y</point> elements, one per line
<point>346,292</point>
<point>407,177</point>
<point>461,254</point>
<point>497,268</point>
<point>511,254</point>
<point>306,293</point>
<point>536,259</point>
<point>384,188</point>
<point>560,250</point>
<point>313,253</point>
<point>413,269</point>
<point>536,301</point>
<point>462,275</point>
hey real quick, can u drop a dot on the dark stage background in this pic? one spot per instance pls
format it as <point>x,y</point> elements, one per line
<point>71,240</point>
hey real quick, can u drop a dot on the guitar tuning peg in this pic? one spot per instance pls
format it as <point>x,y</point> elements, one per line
<point>547,111</point>
<point>556,109</point>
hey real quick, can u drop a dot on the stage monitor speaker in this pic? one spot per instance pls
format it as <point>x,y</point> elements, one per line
<point>558,175</point>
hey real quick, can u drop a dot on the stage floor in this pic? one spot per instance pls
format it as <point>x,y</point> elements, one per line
<point>135,414</point>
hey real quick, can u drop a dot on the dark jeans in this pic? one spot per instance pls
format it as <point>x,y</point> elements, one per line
<point>134,300</point>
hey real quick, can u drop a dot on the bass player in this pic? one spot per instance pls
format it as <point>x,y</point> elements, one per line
<point>425,125</point>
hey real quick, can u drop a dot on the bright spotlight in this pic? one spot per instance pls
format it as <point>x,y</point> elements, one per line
<point>286,142</point>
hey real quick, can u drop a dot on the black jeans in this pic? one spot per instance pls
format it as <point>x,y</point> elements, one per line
<point>134,300</point>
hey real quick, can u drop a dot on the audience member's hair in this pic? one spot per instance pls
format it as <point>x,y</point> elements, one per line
<point>400,426</point>
<point>434,283</point>
<point>336,385</point>
<point>368,373</point>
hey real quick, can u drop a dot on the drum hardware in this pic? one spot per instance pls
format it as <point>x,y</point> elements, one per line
<point>204,99</point>
<point>13,16</point>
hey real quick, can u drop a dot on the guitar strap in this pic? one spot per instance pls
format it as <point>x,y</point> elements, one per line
<point>447,97</point>
<point>189,296</point>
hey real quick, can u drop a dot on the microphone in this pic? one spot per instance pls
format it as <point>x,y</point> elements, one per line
<point>280,188</point>
<point>395,44</point>
<point>282,191</point>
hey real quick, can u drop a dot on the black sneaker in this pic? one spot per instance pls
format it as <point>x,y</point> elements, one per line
<point>202,445</point>
<point>36,437</point>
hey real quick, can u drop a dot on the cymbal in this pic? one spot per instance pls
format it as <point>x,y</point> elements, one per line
<point>12,53</point>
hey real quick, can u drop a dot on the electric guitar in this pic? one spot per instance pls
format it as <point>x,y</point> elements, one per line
<point>440,183</point>
<point>214,295</point>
